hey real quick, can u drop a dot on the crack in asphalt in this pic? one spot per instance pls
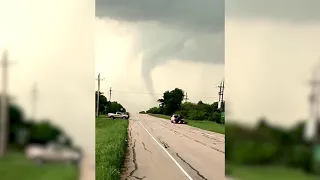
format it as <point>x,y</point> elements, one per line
<point>144,146</point>
<point>164,144</point>
<point>215,139</point>
<point>220,140</point>
<point>198,173</point>
<point>139,177</point>
<point>176,132</point>
<point>130,135</point>
<point>134,160</point>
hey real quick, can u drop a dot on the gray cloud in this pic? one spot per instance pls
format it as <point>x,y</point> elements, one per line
<point>187,30</point>
<point>297,11</point>
<point>203,15</point>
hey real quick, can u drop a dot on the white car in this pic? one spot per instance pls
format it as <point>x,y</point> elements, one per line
<point>118,115</point>
<point>177,119</point>
<point>53,153</point>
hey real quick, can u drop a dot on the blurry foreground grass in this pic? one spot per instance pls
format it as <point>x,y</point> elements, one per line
<point>15,166</point>
<point>241,172</point>
<point>111,145</point>
<point>205,125</point>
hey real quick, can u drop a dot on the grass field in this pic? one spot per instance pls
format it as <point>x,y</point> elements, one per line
<point>268,173</point>
<point>111,145</point>
<point>206,125</point>
<point>15,166</point>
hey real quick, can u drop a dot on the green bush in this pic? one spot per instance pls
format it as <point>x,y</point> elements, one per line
<point>216,117</point>
<point>250,152</point>
<point>267,144</point>
<point>154,110</point>
<point>197,115</point>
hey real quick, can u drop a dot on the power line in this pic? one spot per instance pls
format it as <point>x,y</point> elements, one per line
<point>145,93</point>
<point>130,92</point>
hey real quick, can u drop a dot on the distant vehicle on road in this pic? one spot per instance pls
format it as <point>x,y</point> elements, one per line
<point>177,119</point>
<point>118,115</point>
<point>53,153</point>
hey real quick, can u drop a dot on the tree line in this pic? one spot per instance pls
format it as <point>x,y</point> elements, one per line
<point>22,131</point>
<point>172,103</point>
<point>267,144</point>
<point>106,106</point>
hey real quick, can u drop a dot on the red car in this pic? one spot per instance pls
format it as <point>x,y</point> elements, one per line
<point>177,119</point>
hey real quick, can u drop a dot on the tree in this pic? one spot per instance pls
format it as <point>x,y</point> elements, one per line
<point>172,100</point>
<point>106,106</point>
<point>115,107</point>
<point>103,102</point>
<point>44,132</point>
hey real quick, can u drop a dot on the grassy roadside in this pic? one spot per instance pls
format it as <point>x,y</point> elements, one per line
<point>15,166</point>
<point>206,125</point>
<point>268,173</point>
<point>111,145</point>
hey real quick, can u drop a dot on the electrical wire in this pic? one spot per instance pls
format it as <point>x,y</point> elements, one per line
<point>158,94</point>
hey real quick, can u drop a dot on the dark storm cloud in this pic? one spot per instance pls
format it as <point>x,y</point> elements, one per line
<point>196,30</point>
<point>202,15</point>
<point>298,11</point>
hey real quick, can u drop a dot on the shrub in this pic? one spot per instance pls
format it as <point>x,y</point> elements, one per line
<point>197,115</point>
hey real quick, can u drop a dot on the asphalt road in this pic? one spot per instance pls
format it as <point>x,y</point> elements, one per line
<point>160,150</point>
<point>87,167</point>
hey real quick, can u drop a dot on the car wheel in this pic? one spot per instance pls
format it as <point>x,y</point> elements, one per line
<point>112,117</point>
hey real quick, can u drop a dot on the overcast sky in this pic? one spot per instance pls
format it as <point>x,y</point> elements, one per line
<point>146,46</point>
<point>51,43</point>
<point>271,47</point>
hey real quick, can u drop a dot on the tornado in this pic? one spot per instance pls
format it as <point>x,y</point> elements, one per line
<point>155,57</point>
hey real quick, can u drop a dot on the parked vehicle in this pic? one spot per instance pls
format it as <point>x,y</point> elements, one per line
<point>177,119</point>
<point>53,153</point>
<point>118,115</point>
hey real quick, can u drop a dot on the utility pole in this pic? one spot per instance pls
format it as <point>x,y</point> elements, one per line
<point>34,98</point>
<point>110,92</point>
<point>98,95</point>
<point>4,104</point>
<point>312,132</point>
<point>186,97</point>
<point>221,94</point>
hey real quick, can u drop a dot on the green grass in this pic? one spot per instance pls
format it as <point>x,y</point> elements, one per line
<point>15,166</point>
<point>111,146</point>
<point>206,125</point>
<point>240,172</point>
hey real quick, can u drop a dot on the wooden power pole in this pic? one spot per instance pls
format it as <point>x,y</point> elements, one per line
<point>4,126</point>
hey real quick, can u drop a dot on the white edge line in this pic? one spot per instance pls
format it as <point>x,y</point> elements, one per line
<point>184,172</point>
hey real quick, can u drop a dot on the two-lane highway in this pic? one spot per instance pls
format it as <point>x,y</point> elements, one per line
<point>160,150</point>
